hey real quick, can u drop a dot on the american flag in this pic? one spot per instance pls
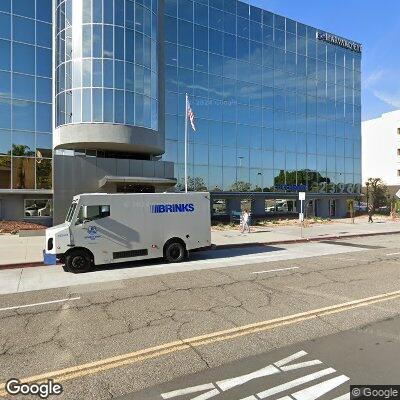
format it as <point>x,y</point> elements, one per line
<point>191,116</point>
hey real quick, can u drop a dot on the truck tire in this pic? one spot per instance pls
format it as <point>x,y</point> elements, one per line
<point>78,261</point>
<point>175,252</point>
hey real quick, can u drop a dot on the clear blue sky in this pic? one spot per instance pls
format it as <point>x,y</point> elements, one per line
<point>375,24</point>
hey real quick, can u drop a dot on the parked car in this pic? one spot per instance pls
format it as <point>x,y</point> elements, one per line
<point>361,207</point>
<point>280,206</point>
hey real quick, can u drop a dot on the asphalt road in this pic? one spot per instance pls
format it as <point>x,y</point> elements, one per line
<point>144,337</point>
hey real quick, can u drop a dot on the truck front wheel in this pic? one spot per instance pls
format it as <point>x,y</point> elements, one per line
<point>78,261</point>
<point>175,252</point>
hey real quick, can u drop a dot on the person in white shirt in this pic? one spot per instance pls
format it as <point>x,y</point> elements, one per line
<point>245,221</point>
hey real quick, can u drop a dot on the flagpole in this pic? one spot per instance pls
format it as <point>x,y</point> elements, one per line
<point>186,140</point>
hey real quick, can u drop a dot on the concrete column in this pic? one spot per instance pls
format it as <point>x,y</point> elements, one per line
<point>341,208</point>
<point>322,206</point>
<point>258,206</point>
<point>233,205</point>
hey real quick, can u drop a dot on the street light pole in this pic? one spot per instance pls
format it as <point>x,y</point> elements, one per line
<point>367,185</point>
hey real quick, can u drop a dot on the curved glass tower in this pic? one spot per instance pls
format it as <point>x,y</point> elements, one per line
<point>107,75</point>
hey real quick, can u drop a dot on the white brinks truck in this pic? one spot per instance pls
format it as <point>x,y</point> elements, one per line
<point>105,228</point>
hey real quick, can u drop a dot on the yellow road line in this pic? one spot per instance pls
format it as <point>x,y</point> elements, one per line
<point>197,341</point>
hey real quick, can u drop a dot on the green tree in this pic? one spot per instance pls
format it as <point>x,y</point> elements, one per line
<point>195,184</point>
<point>43,173</point>
<point>21,150</point>
<point>240,186</point>
<point>377,192</point>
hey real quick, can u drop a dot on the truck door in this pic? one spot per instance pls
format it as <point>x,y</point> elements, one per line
<point>87,231</point>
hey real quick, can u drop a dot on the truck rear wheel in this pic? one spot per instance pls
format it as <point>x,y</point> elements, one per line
<point>175,252</point>
<point>78,261</point>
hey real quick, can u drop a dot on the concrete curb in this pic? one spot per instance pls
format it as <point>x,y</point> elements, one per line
<point>32,232</point>
<point>242,245</point>
<point>21,265</point>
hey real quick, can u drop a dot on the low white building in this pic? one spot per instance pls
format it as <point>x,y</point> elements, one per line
<point>381,148</point>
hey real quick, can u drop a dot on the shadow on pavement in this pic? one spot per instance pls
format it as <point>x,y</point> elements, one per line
<point>194,256</point>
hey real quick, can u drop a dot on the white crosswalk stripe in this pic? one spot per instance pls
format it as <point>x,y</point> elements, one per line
<point>240,380</point>
<point>300,365</point>
<point>316,391</point>
<point>210,390</point>
<point>291,358</point>
<point>296,382</point>
<point>189,390</point>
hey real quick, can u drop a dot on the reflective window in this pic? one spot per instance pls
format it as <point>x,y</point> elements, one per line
<point>38,207</point>
<point>43,145</point>
<point>23,173</point>
<point>25,8</point>
<point>43,90</point>
<point>5,113</point>
<point>43,34</point>
<point>44,177</point>
<point>23,114</point>
<point>23,87</point>
<point>5,5</point>
<point>24,30</point>
<point>5,84</point>
<point>43,117</point>
<point>24,58</point>
<point>92,213</point>
<point>5,142</point>
<point>5,51</point>
<point>5,26</point>
<point>43,10</point>
<point>5,172</point>
<point>44,62</point>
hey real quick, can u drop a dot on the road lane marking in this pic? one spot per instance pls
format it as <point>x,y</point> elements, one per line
<point>225,385</point>
<point>190,390</point>
<point>39,304</point>
<point>392,254</point>
<point>343,397</point>
<point>105,364</point>
<point>230,383</point>
<point>291,358</point>
<point>296,382</point>
<point>318,390</point>
<point>301,365</point>
<point>275,270</point>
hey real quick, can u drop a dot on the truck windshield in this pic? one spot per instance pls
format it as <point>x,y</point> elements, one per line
<point>70,212</point>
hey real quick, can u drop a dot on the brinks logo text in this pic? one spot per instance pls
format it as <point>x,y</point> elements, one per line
<point>172,208</point>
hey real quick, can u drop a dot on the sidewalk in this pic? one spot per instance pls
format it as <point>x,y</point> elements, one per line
<point>15,249</point>
<point>286,234</point>
<point>21,250</point>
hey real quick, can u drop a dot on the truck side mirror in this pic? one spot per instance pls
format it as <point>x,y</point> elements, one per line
<point>84,223</point>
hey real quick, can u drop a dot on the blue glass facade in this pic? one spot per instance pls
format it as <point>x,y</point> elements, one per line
<point>25,94</point>
<point>275,106</point>
<point>107,62</point>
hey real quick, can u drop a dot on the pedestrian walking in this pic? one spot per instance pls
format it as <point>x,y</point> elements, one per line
<point>370,214</point>
<point>245,221</point>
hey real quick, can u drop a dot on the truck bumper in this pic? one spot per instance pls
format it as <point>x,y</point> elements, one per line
<point>49,259</point>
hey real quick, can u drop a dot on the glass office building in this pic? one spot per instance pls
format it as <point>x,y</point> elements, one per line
<point>25,108</point>
<point>106,64</point>
<point>277,103</point>
<point>277,106</point>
